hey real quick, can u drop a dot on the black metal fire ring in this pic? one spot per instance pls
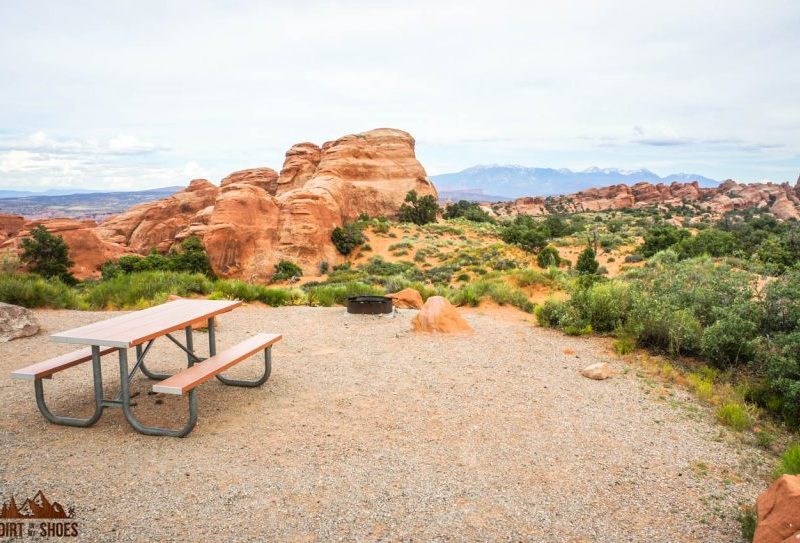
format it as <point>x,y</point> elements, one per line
<point>369,305</point>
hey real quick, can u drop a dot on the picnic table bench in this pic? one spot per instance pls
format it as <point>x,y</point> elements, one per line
<point>139,330</point>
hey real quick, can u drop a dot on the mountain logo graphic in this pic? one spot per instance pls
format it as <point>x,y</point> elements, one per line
<point>38,507</point>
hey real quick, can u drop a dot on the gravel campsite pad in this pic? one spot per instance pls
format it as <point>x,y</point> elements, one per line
<point>367,431</point>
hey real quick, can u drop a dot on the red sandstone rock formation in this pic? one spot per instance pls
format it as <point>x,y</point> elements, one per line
<point>258,217</point>
<point>782,200</point>
<point>159,224</point>
<point>10,226</point>
<point>87,250</point>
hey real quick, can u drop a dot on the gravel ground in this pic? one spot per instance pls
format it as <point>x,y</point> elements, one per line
<point>369,432</point>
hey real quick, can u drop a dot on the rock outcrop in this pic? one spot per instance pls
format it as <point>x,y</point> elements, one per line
<point>778,510</point>
<point>439,315</point>
<point>10,226</point>
<point>161,223</point>
<point>408,298</point>
<point>87,249</point>
<point>258,217</point>
<point>782,199</point>
<point>16,322</point>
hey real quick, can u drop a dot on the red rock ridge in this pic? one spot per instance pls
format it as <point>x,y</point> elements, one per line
<point>782,199</point>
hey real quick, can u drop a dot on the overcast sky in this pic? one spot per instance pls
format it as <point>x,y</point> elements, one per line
<point>143,94</point>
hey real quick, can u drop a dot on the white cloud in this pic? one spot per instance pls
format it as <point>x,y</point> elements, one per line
<point>532,82</point>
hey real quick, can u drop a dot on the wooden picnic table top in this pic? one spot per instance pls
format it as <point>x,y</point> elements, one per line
<point>139,327</point>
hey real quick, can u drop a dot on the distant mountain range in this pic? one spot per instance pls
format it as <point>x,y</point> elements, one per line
<point>516,181</point>
<point>81,204</point>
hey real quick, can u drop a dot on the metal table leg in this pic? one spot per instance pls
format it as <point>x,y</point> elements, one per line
<point>98,397</point>
<point>212,350</point>
<point>131,418</point>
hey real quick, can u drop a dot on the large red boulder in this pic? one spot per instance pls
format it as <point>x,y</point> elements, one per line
<point>408,298</point>
<point>778,510</point>
<point>439,315</point>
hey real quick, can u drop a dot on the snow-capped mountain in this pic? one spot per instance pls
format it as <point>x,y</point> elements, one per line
<point>513,181</point>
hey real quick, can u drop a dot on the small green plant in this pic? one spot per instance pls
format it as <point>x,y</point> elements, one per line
<point>47,255</point>
<point>324,267</point>
<point>624,345</point>
<point>346,238</point>
<point>286,270</point>
<point>734,415</point>
<point>747,522</point>
<point>790,462</point>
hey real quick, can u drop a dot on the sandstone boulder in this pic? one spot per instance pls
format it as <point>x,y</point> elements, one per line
<point>597,371</point>
<point>16,322</point>
<point>408,298</point>
<point>778,510</point>
<point>439,315</point>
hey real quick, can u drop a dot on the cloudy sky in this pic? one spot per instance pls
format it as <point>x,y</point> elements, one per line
<point>143,94</point>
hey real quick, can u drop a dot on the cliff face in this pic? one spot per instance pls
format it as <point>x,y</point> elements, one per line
<point>257,217</point>
<point>782,200</point>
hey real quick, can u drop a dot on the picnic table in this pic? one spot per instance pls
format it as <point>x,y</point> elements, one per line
<point>139,330</point>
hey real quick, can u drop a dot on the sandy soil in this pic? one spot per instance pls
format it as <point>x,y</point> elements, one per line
<point>369,432</point>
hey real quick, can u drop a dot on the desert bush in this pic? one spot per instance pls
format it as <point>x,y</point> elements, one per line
<point>633,258</point>
<point>734,415</point>
<point>336,294</point>
<point>661,238</point>
<point>526,233</point>
<point>347,237</point>
<point>606,306</point>
<point>188,257</point>
<point>285,270</point>
<point>624,345</point>
<point>789,463</point>
<point>29,290</point>
<point>548,257</point>
<point>470,211</point>
<point>47,255</point>
<point>418,210</point>
<point>710,242</point>
<point>587,263</point>
<point>142,289</point>
<point>247,292</point>
<point>551,313</point>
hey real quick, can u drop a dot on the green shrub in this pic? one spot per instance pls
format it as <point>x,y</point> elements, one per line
<point>660,238</point>
<point>790,462</point>
<point>346,238</point>
<point>337,294</point>
<point>734,415</point>
<point>470,211</point>
<point>233,289</point>
<point>189,257</point>
<point>286,270</point>
<point>418,210</point>
<point>526,233</point>
<point>730,341</point>
<point>633,258</point>
<point>624,345</point>
<point>32,291</point>
<point>587,264</point>
<point>548,257</point>
<point>47,255</point>
<point>551,313</point>
<point>142,289</point>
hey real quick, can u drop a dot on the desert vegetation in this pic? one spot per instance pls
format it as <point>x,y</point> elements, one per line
<point>721,295</point>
